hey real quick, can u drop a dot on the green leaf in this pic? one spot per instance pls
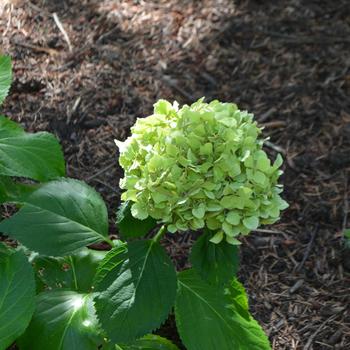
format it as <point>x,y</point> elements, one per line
<point>63,320</point>
<point>5,76</point>
<point>139,211</point>
<point>149,342</point>
<point>347,233</point>
<point>216,263</point>
<point>138,286</point>
<point>5,251</point>
<point>75,272</point>
<point>251,223</point>
<point>207,318</point>
<point>199,212</point>
<point>239,298</point>
<point>262,161</point>
<point>36,156</point>
<point>8,128</point>
<point>130,227</point>
<point>14,192</point>
<point>17,295</point>
<point>233,218</point>
<point>59,218</point>
<point>217,238</point>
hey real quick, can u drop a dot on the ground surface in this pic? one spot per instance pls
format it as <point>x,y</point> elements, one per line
<point>285,61</point>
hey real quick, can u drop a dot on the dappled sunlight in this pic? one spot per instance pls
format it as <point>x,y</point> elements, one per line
<point>164,28</point>
<point>284,61</point>
<point>77,302</point>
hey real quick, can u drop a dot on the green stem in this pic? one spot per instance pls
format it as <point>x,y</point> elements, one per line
<point>159,234</point>
<point>74,274</point>
<point>110,242</point>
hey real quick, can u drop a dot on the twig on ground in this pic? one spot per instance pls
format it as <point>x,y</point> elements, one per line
<point>312,337</point>
<point>37,8</point>
<point>172,83</point>
<point>275,147</point>
<point>100,172</point>
<point>72,111</point>
<point>262,230</point>
<point>60,27</point>
<point>296,286</point>
<point>266,115</point>
<point>275,124</point>
<point>47,50</point>
<point>346,205</point>
<point>308,249</point>
<point>9,19</point>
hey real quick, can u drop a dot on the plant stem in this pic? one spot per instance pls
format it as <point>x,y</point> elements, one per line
<point>159,234</point>
<point>74,274</point>
<point>109,241</point>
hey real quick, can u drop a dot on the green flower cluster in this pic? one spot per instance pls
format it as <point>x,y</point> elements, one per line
<point>201,166</point>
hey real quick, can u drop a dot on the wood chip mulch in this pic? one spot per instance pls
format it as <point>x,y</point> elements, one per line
<point>87,69</point>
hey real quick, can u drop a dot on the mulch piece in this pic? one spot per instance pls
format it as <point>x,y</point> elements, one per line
<point>286,61</point>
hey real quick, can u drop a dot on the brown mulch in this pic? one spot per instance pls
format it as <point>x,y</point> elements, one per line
<point>285,61</point>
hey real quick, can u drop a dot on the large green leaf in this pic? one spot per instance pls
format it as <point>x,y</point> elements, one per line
<point>36,156</point>
<point>239,298</point>
<point>5,77</point>
<point>130,227</point>
<point>216,263</point>
<point>59,218</point>
<point>63,320</point>
<point>5,251</point>
<point>11,191</point>
<point>138,286</point>
<point>75,272</point>
<point>17,295</point>
<point>8,128</point>
<point>207,318</point>
<point>149,342</point>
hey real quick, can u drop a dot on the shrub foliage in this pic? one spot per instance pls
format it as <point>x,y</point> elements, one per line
<point>198,167</point>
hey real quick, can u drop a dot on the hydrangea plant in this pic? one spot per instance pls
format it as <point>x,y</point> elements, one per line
<point>201,166</point>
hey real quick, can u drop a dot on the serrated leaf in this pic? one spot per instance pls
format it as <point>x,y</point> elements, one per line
<point>11,191</point>
<point>5,76</point>
<point>63,320</point>
<point>17,295</point>
<point>9,128</point>
<point>130,227</point>
<point>36,156</point>
<point>59,218</point>
<point>207,319</point>
<point>149,342</point>
<point>75,272</point>
<point>138,286</point>
<point>239,298</point>
<point>216,263</point>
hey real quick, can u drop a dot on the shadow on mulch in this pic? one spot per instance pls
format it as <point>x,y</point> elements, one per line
<point>287,62</point>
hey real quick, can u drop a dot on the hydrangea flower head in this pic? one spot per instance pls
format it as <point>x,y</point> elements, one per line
<point>201,166</point>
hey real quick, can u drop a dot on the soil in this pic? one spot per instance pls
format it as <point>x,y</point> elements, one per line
<point>285,61</point>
